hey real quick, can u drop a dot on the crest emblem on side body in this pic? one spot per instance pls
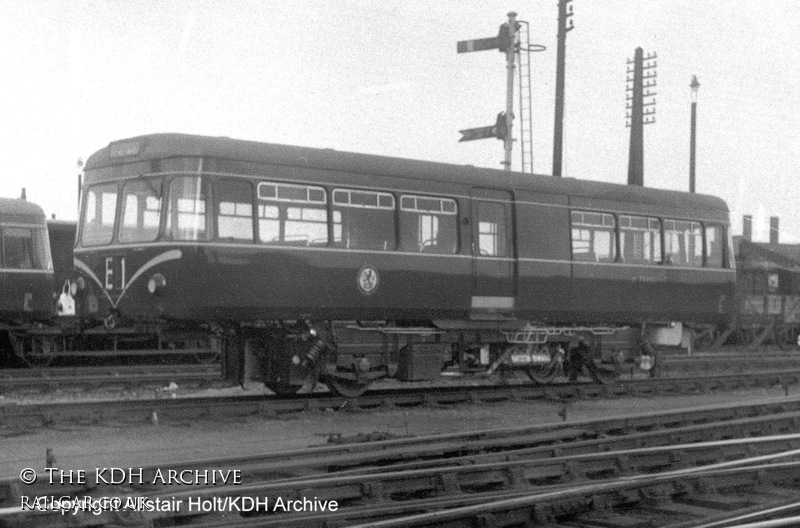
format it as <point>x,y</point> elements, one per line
<point>367,280</point>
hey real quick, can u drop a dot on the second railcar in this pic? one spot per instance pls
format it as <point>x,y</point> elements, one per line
<point>26,276</point>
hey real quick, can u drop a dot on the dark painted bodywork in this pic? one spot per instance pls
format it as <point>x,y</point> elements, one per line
<point>217,280</point>
<point>27,293</point>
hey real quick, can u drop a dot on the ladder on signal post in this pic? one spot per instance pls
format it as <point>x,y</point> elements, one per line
<point>525,111</point>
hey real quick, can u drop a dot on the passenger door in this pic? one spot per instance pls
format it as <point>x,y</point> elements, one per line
<point>494,263</point>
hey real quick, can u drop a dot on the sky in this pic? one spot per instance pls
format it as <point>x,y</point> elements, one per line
<point>384,78</point>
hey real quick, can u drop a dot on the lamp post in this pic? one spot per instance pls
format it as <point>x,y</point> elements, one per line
<point>692,148</point>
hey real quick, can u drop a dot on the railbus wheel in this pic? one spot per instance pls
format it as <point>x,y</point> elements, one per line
<point>347,387</point>
<point>207,351</point>
<point>36,351</point>
<point>543,374</point>
<point>309,384</point>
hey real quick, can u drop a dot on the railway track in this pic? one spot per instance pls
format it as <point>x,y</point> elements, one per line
<point>106,377</point>
<point>727,361</point>
<point>163,408</point>
<point>695,465</point>
<point>735,362</point>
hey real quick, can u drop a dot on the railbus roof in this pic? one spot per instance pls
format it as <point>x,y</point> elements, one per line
<point>19,211</point>
<point>158,146</point>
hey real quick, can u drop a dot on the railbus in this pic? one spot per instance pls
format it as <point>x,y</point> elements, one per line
<point>312,264</point>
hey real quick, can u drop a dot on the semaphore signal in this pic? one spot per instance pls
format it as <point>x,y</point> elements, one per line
<point>508,41</point>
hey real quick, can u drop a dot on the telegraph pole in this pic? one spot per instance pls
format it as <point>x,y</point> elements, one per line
<point>641,111</point>
<point>511,60</point>
<point>558,128</point>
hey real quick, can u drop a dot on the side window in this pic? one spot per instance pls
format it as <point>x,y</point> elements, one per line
<point>234,210</point>
<point>26,248</point>
<point>715,242</point>
<point>593,238</point>
<point>292,214</point>
<point>492,229</point>
<point>363,220</point>
<point>428,225</point>
<point>99,210</point>
<point>186,212</point>
<point>141,211</point>
<point>683,243</point>
<point>640,239</point>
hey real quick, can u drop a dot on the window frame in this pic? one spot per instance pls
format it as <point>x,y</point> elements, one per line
<point>261,200</point>
<point>590,228</point>
<point>415,209</point>
<point>148,179</point>
<point>39,240</point>
<point>208,214</point>
<point>393,243</point>
<point>723,243</point>
<point>703,256</point>
<point>85,204</point>
<point>621,255</point>
<point>217,200</point>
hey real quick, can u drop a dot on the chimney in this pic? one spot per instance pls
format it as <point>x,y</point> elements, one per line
<point>773,230</point>
<point>747,228</point>
<point>23,195</point>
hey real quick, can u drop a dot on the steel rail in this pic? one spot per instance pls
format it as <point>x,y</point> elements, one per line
<point>715,470</point>
<point>40,414</point>
<point>439,451</point>
<point>463,511</point>
<point>560,447</point>
<point>338,482</point>
<point>139,375</point>
<point>752,519</point>
<point>541,512</point>
<point>67,372</point>
<point>457,480</point>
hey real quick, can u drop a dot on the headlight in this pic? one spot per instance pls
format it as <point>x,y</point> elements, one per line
<point>156,284</point>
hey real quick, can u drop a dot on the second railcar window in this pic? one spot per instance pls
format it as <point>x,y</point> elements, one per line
<point>640,239</point>
<point>428,225</point>
<point>292,214</point>
<point>363,220</point>
<point>593,238</point>
<point>26,248</point>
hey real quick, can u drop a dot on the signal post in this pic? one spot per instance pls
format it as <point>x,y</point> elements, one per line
<point>505,41</point>
<point>510,40</point>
